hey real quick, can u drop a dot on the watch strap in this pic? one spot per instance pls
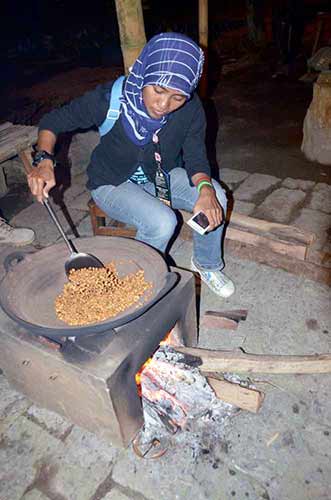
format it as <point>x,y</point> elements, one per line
<point>39,156</point>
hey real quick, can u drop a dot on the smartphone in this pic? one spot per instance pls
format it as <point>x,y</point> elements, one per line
<point>199,222</point>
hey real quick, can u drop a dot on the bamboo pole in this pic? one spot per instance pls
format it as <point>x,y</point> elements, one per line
<point>132,30</point>
<point>203,41</point>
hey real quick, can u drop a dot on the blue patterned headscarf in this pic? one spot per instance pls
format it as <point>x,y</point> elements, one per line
<point>169,60</point>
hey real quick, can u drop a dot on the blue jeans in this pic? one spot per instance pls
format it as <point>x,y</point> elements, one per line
<point>136,205</point>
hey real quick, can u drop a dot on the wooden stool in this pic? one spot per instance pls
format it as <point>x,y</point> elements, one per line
<point>114,228</point>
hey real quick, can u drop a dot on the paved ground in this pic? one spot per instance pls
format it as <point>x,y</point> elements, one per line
<point>283,453</point>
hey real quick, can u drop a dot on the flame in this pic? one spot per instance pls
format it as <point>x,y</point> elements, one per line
<point>138,374</point>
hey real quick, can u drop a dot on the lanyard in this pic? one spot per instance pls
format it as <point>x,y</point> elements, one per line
<point>162,178</point>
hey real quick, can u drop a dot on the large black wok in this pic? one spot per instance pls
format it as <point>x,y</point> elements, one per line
<point>33,281</point>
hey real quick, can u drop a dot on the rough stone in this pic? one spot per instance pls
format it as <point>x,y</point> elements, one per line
<point>80,150</point>
<point>14,171</point>
<point>115,494</point>
<point>34,495</point>
<point>84,228</point>
<point>316,222</point>
<point>37,218</point>
<point>280,204</point>
<point>290,183</point>
<point>254,185</point>
<point>76,188</point>
<point>232,176</point>
<point>12,403</point>
<point>243,207</point>
<point>81,201</point>
<point>26,440</point>
<point>83,464</point>
<point>321,198</point>
<point>52,422</point>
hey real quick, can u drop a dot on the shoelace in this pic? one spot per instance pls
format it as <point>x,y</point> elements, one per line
<point>5,226</point>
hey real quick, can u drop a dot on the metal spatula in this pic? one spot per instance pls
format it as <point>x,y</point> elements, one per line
<point>77,260</point>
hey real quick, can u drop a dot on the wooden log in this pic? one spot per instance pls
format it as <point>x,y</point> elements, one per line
<point>203,42</point>
<point>218,322</point>
<point>132,30</point>
<point>234,394</point>
<point>223,319</point>
<point>317,123</point>
<point>270,236</point>
<point>299,251</point>
<point>283,231</point>
<point>303,268</point>
<point>240,362</point>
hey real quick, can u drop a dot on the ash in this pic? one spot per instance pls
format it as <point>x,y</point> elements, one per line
<point>179,405</point>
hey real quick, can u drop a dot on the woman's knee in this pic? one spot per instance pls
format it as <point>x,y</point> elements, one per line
<point>163,226</point>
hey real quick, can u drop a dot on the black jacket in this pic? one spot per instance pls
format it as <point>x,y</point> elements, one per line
<point>116,158</point>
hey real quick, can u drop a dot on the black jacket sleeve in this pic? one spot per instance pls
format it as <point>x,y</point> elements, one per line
<point>194,147</point>
<point>81,113</point>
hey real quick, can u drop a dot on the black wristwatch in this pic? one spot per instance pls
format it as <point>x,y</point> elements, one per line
<point>41,155</point>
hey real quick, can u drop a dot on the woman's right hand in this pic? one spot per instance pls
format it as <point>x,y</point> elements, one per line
<point>41,179</point>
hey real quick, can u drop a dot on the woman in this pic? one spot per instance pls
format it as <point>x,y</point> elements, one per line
<point>154,159</point>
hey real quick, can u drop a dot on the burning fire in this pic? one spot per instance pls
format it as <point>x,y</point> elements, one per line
<point>153,387</point>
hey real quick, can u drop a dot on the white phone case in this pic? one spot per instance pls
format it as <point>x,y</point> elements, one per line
<point>199,222</point>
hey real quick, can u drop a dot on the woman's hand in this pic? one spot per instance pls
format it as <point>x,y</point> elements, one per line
<point>41,179</point>
<point>209,205</point>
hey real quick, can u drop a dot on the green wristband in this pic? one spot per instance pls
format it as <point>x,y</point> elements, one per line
<point>203,183</point>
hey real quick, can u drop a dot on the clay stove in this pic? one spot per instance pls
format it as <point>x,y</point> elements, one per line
<point>89,378</point>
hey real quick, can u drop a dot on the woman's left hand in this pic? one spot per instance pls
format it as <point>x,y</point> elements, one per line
<point>209,205</point>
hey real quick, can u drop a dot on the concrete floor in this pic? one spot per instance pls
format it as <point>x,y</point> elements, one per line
<point>283,452</point>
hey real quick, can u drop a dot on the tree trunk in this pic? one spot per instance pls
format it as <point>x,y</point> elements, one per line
<point>132,30</point>
<point>203,41</point>
<point>255,21</point>
<point>316,144</point>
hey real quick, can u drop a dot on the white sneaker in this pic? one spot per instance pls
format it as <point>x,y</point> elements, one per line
<point>15,236</point>
<point>217,281</point>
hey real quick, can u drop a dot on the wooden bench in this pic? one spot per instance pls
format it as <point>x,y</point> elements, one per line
<point>13,140</point>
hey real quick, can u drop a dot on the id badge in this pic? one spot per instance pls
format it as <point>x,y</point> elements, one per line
<point>162,186</point>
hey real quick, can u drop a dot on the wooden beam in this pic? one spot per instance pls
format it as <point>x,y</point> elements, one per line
<point>203,42</point>
<point>303,268</point>
<point>132,30</point>
<point>234,394</point>
<point>273,228</point>
<point>240,362</point>
<point>274,244</point>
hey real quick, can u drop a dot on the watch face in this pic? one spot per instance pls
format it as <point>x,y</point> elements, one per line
<point>42,155</point>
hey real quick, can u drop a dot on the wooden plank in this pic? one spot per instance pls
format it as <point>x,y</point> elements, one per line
<point>16,139</point>
<point>218,322</point>
<point>303,268</point>
<point>223,319</point>
<point>5,125</point>
<point>297,251</point>
<point>271,236</point>
<point>234,394</point>
<point>239,362</point>
<point>290,233</point>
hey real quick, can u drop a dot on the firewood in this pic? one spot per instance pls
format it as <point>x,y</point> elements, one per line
<point>282,230</point>
<point>218,322</point>
<point>274,244</point>
<point>223,319</point>
<point>239,362</point>
<point>243,397</point>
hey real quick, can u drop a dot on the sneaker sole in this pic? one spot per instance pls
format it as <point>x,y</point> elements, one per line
<point>18,244</point>
<point>196,271</point>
